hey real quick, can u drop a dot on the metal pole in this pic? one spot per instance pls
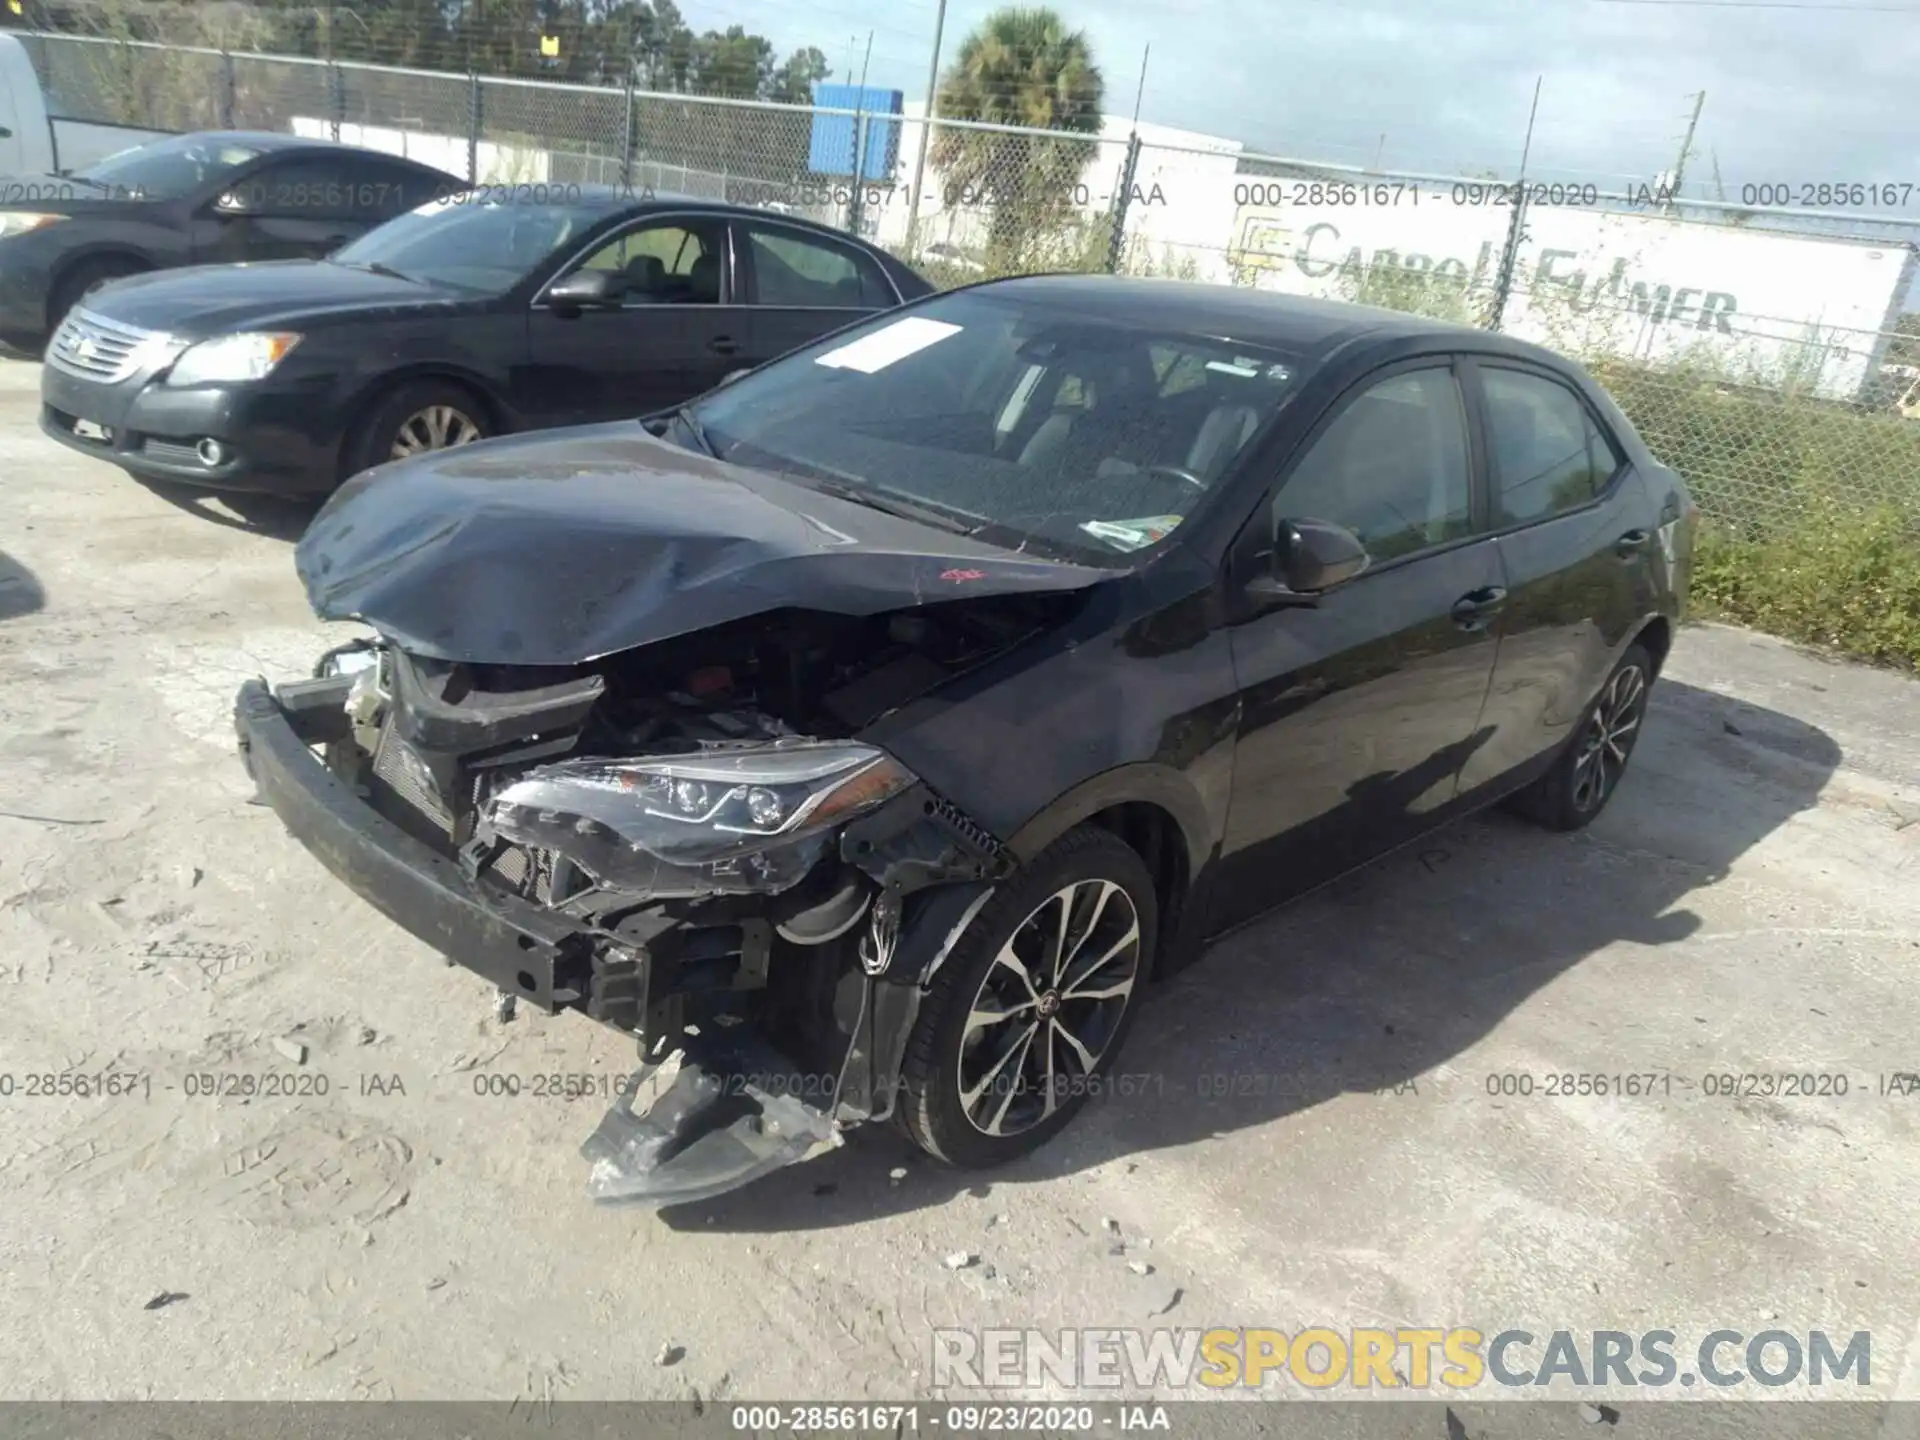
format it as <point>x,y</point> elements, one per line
<point>1516,228</point>
<point>1116,241</point>
<point>336,94</point>
<point>859,143</point>
<point>626,136</point>
<point>926,129</point>
<point>1686,149</point>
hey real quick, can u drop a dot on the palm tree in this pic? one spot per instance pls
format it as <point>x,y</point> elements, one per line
<point>1020,67</point>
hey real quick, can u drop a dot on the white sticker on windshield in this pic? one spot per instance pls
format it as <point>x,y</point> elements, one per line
<point>1132,534</point>
<point>1225,369</point>
<point>895,342</point>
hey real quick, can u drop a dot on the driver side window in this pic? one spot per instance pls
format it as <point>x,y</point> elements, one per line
<point>1393,467</point>
<point>666,262</point>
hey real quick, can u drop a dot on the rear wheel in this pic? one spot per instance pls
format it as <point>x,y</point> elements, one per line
<point>1583,779</point>
<point>81,281</point>
<point>1028,1013</point>
<point>420,417</point>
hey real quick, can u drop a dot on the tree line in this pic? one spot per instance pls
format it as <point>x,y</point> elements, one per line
<point>595,42</point>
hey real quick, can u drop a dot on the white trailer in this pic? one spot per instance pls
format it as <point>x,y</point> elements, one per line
<point>36,141</point>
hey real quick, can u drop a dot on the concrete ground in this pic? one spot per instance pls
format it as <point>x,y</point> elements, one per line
<point>1747,905</point>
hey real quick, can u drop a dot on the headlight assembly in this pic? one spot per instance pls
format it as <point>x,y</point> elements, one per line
<point>751,820</point>
<point>248,356</point>
<point>19,222</point>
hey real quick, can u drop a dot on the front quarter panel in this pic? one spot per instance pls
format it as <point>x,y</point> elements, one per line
<point>358,360</point>
<point>1130,703</point>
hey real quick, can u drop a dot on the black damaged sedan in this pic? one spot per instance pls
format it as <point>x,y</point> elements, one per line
<point>865,735</point>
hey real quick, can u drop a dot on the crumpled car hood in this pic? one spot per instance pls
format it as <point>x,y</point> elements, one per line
<point>561,548</point>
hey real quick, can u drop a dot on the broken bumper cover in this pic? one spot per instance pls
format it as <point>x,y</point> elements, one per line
<point>519,947</point>
<point>732,1114</point>
<point>733,1111</point>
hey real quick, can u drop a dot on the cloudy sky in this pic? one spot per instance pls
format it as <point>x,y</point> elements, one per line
<point>1796,90</point>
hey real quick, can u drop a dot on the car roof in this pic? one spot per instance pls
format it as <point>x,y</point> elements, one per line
<point>640,199</point>
<point>266,140</point>
<point>1298,324</point>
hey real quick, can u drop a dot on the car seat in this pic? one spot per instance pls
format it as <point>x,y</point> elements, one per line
<point>703,281</point>
<point>646,275</point>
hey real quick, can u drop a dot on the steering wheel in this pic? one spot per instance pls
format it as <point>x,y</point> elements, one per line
<point>1178,472</point>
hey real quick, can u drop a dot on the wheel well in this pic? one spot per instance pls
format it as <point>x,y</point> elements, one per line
<point>1155,836</point>
<point>130,261</point>
<point>384,389</point>
<point>1657,637</point>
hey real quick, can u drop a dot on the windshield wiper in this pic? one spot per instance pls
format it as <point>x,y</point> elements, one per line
<point>684,414</point>
<point>374,267</point>
<point>891,504</point>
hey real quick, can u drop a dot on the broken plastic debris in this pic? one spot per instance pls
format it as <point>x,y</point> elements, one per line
<point>713,1130</point>
<point>292,1049</point>
<point>670,1354</point>
<point>1140,1267</point>
<point>961,1260</point>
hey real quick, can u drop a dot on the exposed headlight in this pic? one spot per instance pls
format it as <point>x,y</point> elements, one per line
<point>248,356</point>
<point>19,222</point>
<point>746,821</point>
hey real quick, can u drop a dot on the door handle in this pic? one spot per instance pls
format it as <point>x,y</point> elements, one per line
<point>724,345</point>
<point>1631,543</point>
<point>1473,609</point>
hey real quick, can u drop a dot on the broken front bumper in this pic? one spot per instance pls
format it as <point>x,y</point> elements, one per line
<point>523,949</point>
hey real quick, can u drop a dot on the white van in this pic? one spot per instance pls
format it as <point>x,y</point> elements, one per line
<point>34,141</point>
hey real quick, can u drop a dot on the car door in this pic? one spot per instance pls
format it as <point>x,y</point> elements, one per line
<point>1358,711</point>
<point>675,333</point>
<point>300,208</point>
<point>801,285</point>
<point>1577,534</point>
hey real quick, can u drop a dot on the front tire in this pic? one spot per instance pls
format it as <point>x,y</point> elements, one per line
<point>1026,1016</point>
<point>420,417</point>
<point>1572,794</point>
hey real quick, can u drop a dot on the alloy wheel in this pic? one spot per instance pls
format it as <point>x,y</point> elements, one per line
<point>437,427</point>
<point>1048,1007</point>
<point>1608,737</point>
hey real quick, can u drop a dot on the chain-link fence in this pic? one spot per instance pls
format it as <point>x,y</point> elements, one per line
<point>1754,348</point>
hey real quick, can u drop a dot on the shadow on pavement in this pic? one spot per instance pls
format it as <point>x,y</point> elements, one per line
<point>20,592</point>
<point>273,516</point>
<point>1382,976</point>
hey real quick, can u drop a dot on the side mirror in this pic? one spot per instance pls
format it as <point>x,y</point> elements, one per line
<point>584,290</point>
<point>1310,557</point>
<point>228,205</point>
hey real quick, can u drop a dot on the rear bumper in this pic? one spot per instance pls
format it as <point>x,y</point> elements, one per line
<point>520,947</point>
<point>269,432</point>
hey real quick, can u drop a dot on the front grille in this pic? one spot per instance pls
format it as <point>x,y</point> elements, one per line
<point>95,348</point>
<point>170,452</point>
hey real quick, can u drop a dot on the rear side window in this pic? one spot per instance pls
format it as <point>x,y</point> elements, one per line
<point>1548,453</point>
<point>809,273</point>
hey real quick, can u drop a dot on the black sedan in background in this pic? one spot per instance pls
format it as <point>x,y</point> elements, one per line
<point>912,701</point>
<point>192,200</point>
<point>493,310</point>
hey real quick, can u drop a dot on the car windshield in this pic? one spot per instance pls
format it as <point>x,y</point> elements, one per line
<point>1033,424</point>
<point>170,169</point>
<point>484,246</point>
